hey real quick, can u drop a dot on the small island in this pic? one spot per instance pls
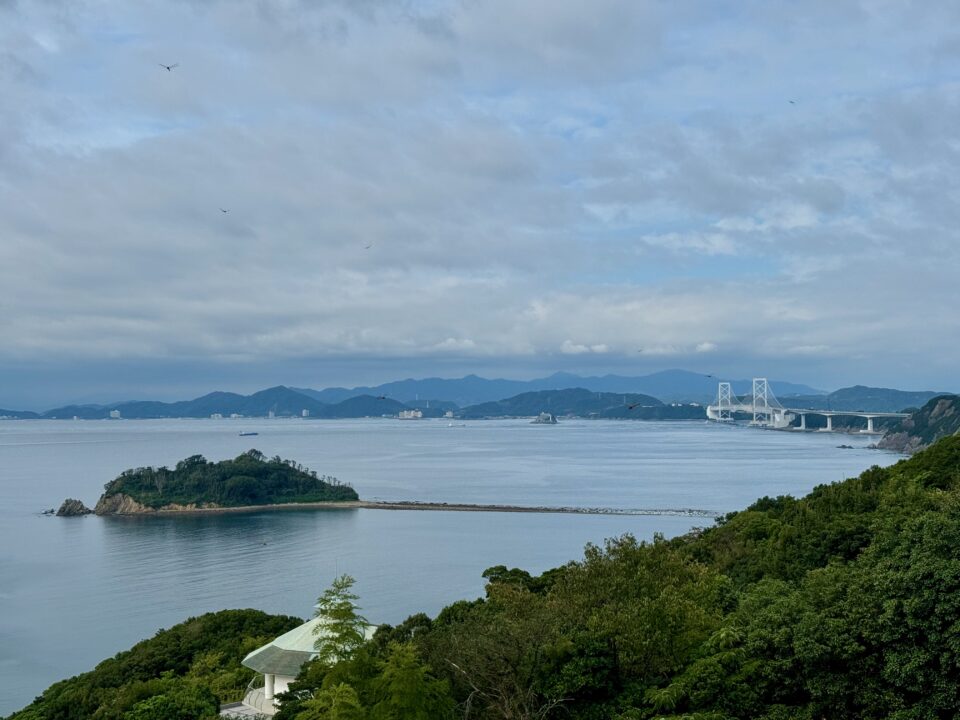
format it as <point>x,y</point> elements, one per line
<point>196,484</point>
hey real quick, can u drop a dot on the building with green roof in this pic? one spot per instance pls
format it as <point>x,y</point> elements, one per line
<point>277,664</point>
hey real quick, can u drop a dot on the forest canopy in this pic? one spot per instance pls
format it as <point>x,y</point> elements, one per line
<point>249,479</point>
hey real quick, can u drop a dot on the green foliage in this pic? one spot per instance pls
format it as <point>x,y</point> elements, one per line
<point>844,604</point>
<point>249,479</point>
<point>339,702</point>
<point>181,702</point>
<point>174,671</point>
<point>406,690</point>
<point>342,629</point>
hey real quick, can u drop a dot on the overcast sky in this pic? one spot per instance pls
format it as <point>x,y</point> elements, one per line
<point>506,187</point>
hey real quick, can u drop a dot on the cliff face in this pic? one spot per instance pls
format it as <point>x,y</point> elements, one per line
<point>937,419</point>
<point>121,504</point>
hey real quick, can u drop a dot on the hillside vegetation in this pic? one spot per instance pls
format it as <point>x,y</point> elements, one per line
<point>183,673</point>
<point>250,479</point>
<point>937,419</point>
<point>844,604</point>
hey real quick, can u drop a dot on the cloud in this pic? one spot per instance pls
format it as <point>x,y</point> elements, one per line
<point>536,182</point>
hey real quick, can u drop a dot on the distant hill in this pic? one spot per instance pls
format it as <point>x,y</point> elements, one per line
<point>362,406</point>
<point>669,386</point>
<point>18,414</point>
<point>280,400</point>
<point>579,402</point>
<point>861,397</point>
<point>939,418</point>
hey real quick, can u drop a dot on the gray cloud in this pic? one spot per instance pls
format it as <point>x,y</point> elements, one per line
<point>480,185</point>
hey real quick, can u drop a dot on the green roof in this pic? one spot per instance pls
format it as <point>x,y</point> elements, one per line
<point>286,654</point>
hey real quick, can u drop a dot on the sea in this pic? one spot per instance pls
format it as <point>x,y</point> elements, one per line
<point>74,591</point>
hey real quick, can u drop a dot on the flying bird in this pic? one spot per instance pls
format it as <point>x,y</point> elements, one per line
<point>224,211</point>
<point>381,397</point>
<point>631,407</point>
<point>793,102</point>
<point>367,247</point>
<point>168,68</point>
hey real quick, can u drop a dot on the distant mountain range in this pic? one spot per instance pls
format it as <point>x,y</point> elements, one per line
<point>668,386</point>
<point>480,397</point>
<point>281,401</point>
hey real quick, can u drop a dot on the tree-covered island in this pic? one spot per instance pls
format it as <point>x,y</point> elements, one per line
<point>250,479</point>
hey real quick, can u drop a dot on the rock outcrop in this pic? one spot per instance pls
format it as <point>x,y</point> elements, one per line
<point>937,419</point>
<point>73,508</point>
<point>121,504</point>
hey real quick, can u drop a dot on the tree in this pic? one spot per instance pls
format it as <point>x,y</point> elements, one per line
<point>342,629</point>
<point>180,702</point>
<point>339,702</point>
<point>407,691</point>
<point>502,653</point>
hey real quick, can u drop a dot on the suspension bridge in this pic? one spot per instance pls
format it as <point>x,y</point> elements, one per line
<point>767,411</point>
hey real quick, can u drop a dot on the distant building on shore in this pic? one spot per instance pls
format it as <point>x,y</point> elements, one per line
<point>115,414</point>
<point>545,418</point>
<point>410,414</point>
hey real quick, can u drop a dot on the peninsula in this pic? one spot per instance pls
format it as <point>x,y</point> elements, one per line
<point>253,483</point>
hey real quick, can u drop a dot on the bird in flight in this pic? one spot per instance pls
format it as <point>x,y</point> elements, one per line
<point>793,102</point>
<point>168,68</point>
<point>224,211</point>
<point>631,407</point>
<point>381,397</point>
<point>367,247</point>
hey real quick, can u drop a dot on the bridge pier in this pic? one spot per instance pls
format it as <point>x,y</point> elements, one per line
<point>870,429</point>
<point>829,427</point>
<point>803,421</point>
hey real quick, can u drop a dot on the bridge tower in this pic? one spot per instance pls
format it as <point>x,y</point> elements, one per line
<point>724,402</point>
<point>762,414</point>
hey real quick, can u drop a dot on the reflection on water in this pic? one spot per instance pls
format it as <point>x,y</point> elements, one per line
<point>73,591</point>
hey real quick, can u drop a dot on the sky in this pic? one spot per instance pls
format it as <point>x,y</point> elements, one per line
<point>506,188</point>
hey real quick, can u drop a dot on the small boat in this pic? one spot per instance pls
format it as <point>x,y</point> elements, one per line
<point>248,434</point>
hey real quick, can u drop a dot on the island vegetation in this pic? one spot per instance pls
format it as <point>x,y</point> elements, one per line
<point>844,604</point>
<point>249,479</point>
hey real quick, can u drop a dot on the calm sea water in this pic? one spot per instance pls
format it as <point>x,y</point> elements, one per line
<point>74,591</point>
